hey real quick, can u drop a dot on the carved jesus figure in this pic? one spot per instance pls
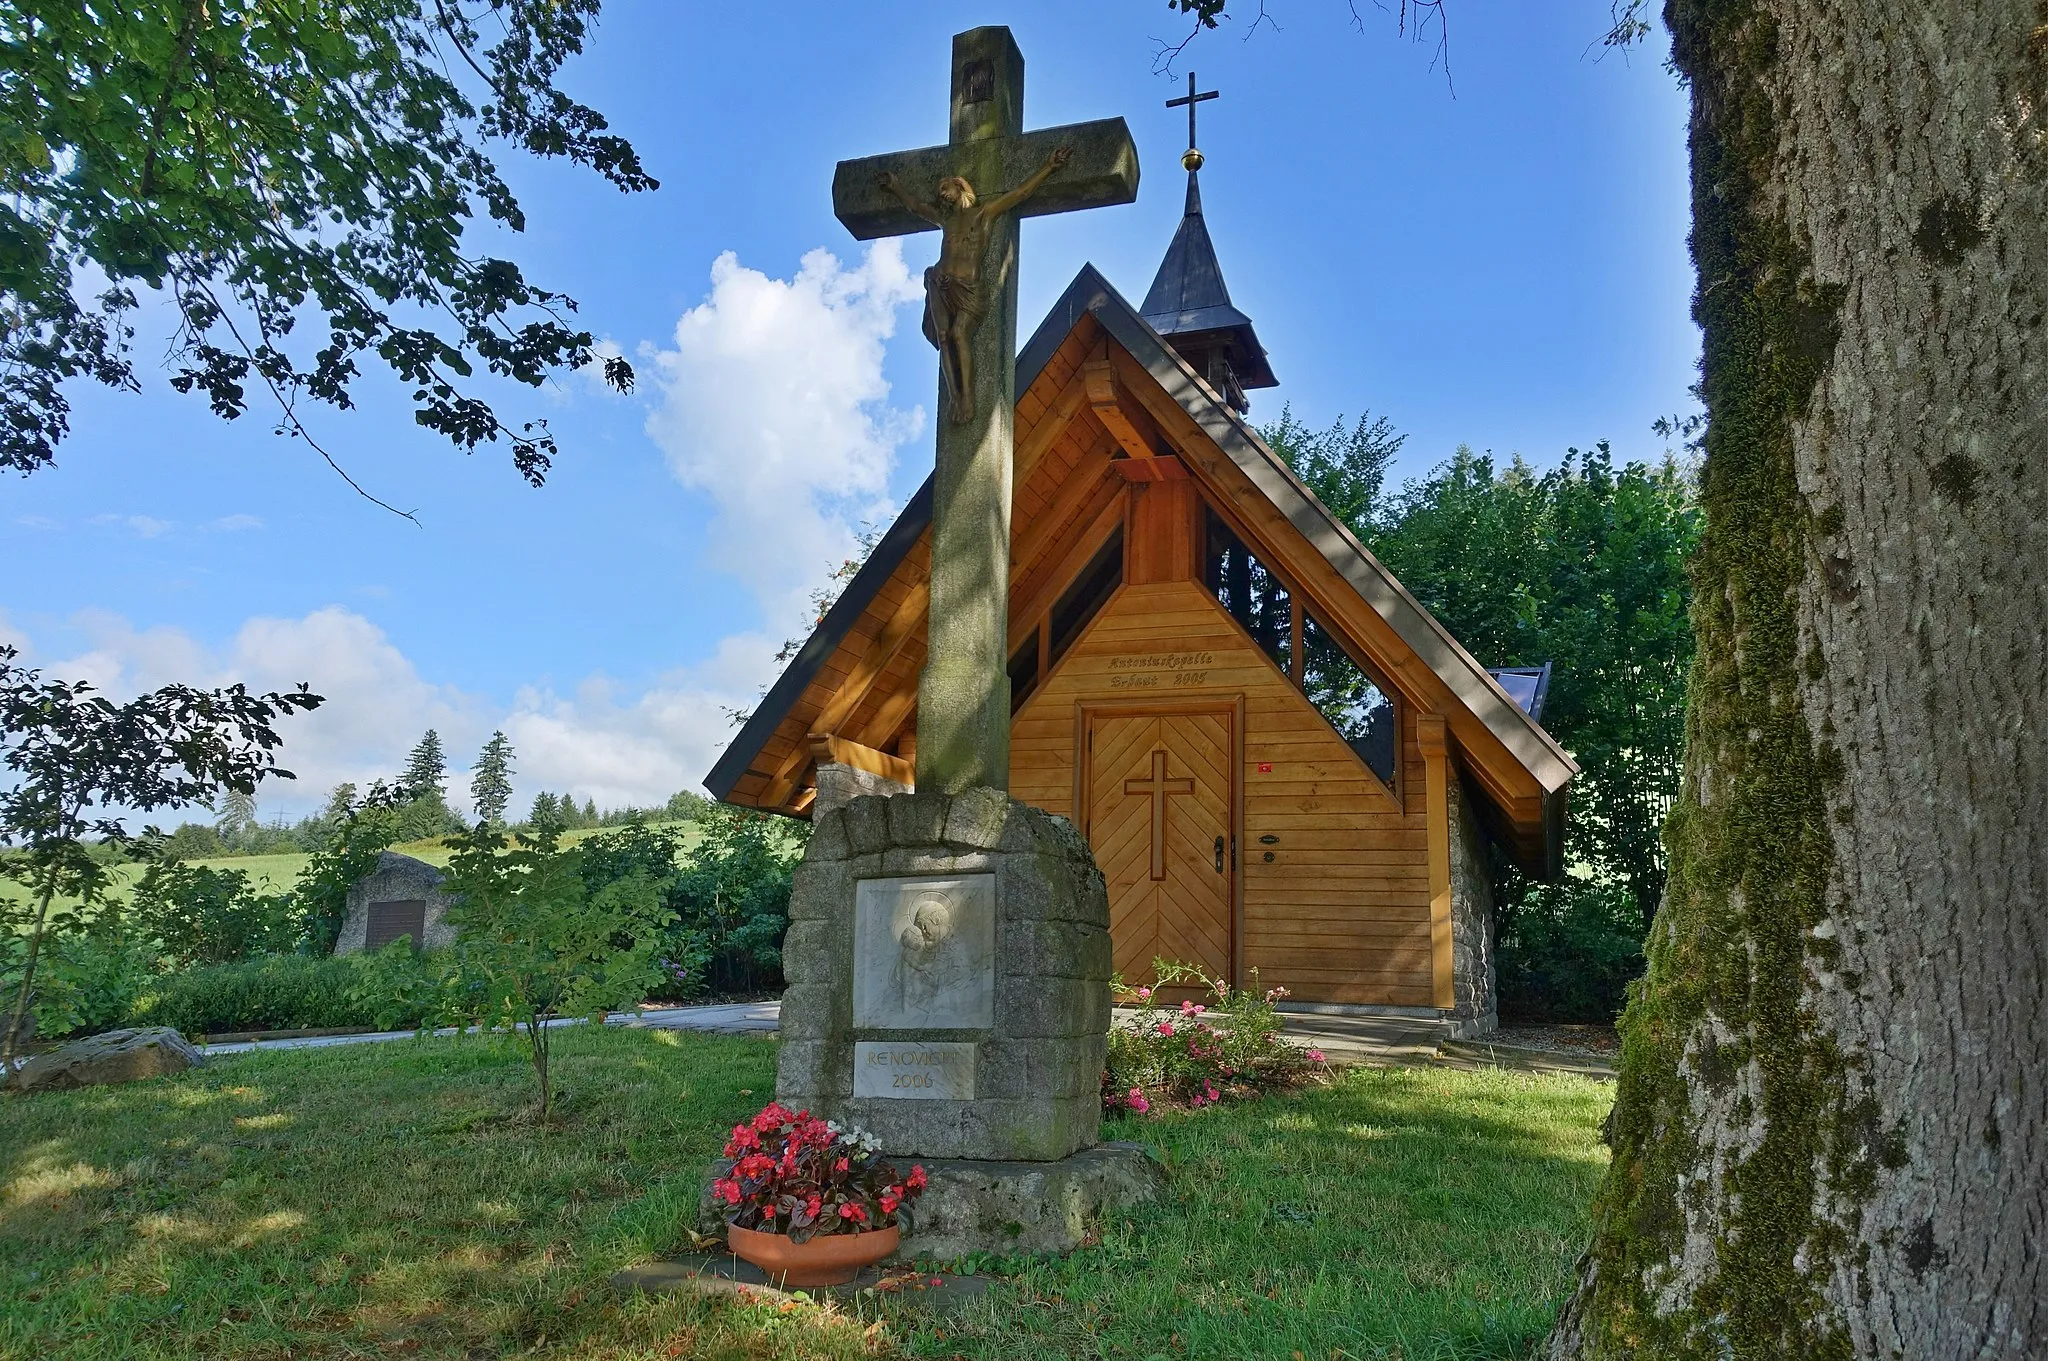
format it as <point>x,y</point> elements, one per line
<point>955,292</point>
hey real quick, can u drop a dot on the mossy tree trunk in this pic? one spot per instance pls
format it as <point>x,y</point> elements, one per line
<point>1831,1137</point>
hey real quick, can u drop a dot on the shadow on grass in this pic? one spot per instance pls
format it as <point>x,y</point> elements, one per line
<point>387,1199</point>
<point>399,1200</point>
<point>1412,1213</point>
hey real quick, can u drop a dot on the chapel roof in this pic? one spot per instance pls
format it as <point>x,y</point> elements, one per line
<point>1484,714</point>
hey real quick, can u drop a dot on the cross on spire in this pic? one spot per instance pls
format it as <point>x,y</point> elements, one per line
<point>1192,158</point>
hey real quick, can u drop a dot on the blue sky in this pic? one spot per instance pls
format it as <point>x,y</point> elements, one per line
<point>1499,261</point>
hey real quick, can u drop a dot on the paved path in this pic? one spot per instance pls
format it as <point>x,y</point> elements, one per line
<point>730,1018</point>
<point>1345,1039</point>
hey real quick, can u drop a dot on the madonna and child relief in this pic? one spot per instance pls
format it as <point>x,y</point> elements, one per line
<point>924,953</point>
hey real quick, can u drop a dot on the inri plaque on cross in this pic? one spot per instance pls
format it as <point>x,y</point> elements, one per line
<point>973,189</point>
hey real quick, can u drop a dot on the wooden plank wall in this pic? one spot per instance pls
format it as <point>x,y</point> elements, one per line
<point>1341,914</point>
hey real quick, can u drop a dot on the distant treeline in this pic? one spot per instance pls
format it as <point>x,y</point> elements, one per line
<point>236,829</point>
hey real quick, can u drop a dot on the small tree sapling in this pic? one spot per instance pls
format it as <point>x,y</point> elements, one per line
<point>536,943</point>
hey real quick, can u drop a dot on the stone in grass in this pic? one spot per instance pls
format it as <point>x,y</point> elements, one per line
<point>117,1056</point>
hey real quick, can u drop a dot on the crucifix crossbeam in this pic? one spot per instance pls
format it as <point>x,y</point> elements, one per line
<point>1158,787</point>
<point>972,190</point>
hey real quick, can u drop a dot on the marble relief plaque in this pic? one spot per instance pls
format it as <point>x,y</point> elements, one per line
<point>924,954</point>
<point>914,1070</point>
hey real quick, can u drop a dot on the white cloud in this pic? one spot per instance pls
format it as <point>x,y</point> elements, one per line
<point>35,522</point>
<point>597,743</point>
<point>230,524</point>
<point>145,526</point>
<point>773,403</point>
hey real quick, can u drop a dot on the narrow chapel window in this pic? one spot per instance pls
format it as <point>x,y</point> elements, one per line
<point>1250,592</point>
<point>1356,705</point>
<point>1023,672</point>
<point>1090,591</point>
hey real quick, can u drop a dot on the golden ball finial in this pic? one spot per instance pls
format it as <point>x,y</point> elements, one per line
<point>1191,159</point>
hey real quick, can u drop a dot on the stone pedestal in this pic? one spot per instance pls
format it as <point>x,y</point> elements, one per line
<point>948,969</point>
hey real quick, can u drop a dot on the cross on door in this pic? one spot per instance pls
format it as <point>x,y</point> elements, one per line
<point>1159,787</point>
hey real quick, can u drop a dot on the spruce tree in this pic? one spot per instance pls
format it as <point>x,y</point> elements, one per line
<point>490,784</point>
<point>426,770</point>
<point>546,814</point>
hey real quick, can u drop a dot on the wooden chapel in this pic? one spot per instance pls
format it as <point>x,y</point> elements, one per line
<point>1285,766</point>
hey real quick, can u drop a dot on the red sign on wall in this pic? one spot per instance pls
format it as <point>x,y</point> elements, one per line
<point>1265,767</point>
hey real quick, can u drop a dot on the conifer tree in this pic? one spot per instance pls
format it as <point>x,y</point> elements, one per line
<point>490,784</point>
<point>546,814</point>
<point>426,770</point>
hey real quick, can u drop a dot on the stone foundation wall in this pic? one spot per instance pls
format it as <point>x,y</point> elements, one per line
<point>1037,1054</point>
<point>1472,925</point>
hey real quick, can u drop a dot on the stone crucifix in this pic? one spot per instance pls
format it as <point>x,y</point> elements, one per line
<point>973,189</point>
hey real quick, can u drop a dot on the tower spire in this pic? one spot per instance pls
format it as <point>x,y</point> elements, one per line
<point>1188,304</point>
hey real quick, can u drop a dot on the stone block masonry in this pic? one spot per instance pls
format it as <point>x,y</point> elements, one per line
<point>948,966</point>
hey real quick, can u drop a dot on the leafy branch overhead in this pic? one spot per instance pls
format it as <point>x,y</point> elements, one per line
<point>295,181</point>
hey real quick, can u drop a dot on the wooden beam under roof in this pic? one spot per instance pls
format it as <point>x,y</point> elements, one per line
<point>846,752</point>
<point>1099,377</point>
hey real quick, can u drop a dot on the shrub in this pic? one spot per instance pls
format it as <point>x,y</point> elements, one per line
<point>1568,951</point>
<point>731,901</point>
<point>200,915</point>
<point>297,992</point>
<point>88,981</point>
<point>1197,1054</point>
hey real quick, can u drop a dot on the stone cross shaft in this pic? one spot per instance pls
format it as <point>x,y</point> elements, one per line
<point>963,697</point>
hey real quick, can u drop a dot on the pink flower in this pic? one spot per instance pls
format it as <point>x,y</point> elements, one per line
<point>1144,994</point>
<point>1166,1029</point>
<point>1138,1102</point>
<point>1316,1056</point>
<point>915,1181</point>
<point>1191,1009</point>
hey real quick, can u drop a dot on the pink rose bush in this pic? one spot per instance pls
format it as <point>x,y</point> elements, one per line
<point>795,1174</point>
<point>1191,1054</point>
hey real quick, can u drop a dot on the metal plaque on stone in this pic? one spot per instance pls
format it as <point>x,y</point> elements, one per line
<point>914,1070</point>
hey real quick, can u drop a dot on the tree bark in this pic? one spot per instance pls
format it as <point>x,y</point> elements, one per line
<point>1830,1136</point>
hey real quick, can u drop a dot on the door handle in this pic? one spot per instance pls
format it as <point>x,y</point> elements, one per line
<point>1219,855</point>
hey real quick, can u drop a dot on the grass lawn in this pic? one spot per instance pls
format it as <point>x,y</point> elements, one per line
<point>394,1200</point>
<point>278,873</point>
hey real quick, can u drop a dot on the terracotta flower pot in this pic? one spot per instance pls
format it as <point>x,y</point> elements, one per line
<point>828,1259</point>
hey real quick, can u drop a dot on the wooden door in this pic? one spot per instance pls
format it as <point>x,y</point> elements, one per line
<point>1161,817</point>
